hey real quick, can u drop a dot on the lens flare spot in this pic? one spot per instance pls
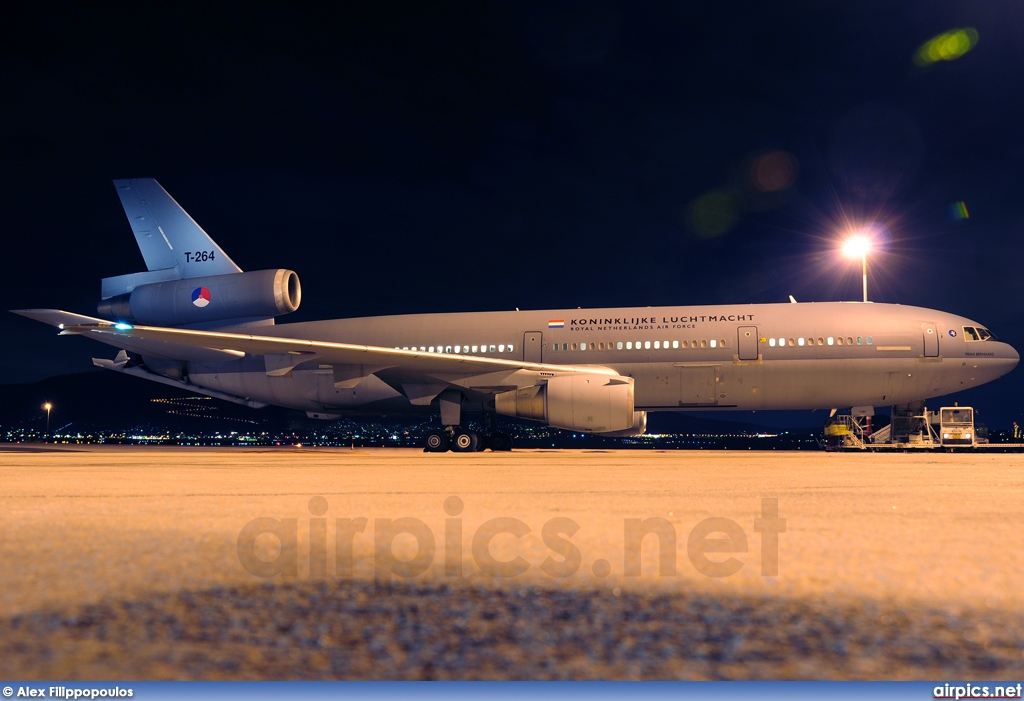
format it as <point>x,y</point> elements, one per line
<point>773,171</point>
<point>713,214</point>
<point>948,46</point>
<point>959,210</point>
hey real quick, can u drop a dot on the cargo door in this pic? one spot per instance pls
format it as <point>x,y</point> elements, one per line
<point>698,385</point>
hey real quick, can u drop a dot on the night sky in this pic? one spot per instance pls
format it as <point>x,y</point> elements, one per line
<point>484,156</point>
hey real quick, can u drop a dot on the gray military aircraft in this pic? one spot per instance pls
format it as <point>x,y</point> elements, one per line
<point>195,321</point>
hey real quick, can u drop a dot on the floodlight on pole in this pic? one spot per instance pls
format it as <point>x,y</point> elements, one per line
<point>858,246</point>
<point>47,406</point>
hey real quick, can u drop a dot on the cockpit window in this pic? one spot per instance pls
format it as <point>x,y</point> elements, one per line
<point>976,333</point>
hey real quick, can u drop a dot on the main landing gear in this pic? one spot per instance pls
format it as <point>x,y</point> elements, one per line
<point>460,440</point>
<point>457,439</point>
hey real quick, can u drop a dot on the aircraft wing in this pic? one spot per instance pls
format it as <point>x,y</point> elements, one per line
<point>228,345</point>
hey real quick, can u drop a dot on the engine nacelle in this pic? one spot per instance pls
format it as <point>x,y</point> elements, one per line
<point>639,427</point>
<point>255,294</point>
<point>588,403</point>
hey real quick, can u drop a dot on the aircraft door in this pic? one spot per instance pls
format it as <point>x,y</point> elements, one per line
<point>532,344</point>
<point>931,340</point>
<point>747,342</point>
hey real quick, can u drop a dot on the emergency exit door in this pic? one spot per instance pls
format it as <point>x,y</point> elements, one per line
<point>747,343</point>
<point>931,340</point>
<point>532,344</point>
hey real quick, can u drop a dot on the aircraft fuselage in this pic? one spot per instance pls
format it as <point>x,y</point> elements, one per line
<point>741,357</point>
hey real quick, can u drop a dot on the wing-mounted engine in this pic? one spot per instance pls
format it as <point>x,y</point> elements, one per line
<point>588,403</point>
<point>254,294</point>
<point>638,428</point>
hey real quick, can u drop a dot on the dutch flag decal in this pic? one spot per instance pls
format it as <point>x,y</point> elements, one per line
<point>556,324</point>
<point>201,296</point>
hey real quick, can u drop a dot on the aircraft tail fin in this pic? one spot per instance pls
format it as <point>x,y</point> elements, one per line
<point>173,245</point>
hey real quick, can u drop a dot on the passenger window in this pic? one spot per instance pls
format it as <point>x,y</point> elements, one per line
<point>782,342</point>
<point>501,348</point>
<point>792,342</point>
<point>869,340</point>
<point>510,348</point>
<point>713,343</point>
<point>629,345</point>
<point>771,342</point>
<point>493,348</point>
<point>619,345</point>
<point>657,345</point>
<point>703,344</point>
<point>849,340</point>
<point>821,341</point>
<point>860,341</point>
<point>675,344</point>
<point>647,345</point>
<point>831,340</point>
<point>574,346</point>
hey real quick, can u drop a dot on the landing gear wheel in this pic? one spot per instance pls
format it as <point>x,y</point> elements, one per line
<point>500,442</point>
<point>436,442</point>
<point>466,442</point>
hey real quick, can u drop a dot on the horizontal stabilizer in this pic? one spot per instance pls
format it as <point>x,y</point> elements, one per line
<point>72,324</point>
<point>57,317</point>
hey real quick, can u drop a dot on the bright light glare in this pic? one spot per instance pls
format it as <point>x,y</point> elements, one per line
<point>47,406</point>
<point>121,326</point>
<point>857,246</point>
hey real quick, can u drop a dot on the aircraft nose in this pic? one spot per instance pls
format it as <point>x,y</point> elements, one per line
<point>1009,359</point>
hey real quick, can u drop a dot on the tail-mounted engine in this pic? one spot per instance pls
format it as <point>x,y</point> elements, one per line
<point>254,294</point>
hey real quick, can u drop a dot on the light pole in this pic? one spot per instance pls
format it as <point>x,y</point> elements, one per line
<point>47,406</point>
<point>858,247</point>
